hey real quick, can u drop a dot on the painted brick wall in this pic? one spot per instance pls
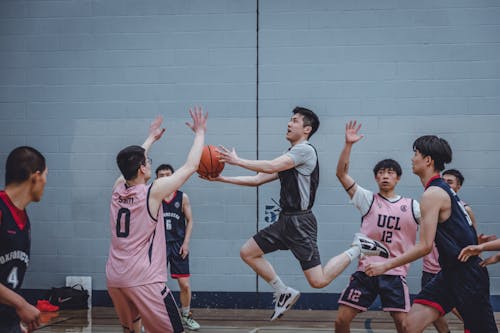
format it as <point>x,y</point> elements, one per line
<point>79,80</point>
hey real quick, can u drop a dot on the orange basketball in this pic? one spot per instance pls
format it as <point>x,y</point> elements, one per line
<point>209,162</point>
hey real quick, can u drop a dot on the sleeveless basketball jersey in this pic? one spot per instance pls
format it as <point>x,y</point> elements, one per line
<point>290,198</point>
<point>137,254</point>
<point>15,243</point>
<point>392,223</point>
<point>430,262</point>
<point>175,222</point>
<point>456,232</point>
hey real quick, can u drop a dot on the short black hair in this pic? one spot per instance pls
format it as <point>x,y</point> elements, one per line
<point>456,173</point>
<point>310,118</point>
<point>129,160</point>
<point>390,164</point>
<point>435,147</point>
<point>21,163</point>
<point>164,167</point>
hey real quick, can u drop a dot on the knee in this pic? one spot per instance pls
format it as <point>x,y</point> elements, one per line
<point>246,254</point>
<point>184,285</point>
<point>317,283</point>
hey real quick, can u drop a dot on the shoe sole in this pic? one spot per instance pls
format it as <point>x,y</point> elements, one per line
<point>287,307</point>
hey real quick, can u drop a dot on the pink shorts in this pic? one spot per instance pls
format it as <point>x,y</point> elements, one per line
<point>153,303</point>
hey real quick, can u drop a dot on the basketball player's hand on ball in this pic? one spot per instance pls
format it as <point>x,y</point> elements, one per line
<point>491,260</point>
<point>227,156</point>
<point>199,124</point>
<point>155,130</point>
<point>469,251</point>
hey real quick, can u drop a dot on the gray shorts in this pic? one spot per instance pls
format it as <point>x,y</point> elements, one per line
<point>297,232</point>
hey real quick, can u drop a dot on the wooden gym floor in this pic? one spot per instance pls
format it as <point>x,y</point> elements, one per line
<point>104,320</point>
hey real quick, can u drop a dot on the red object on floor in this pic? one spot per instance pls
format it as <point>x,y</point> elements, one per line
<point>45,306</point>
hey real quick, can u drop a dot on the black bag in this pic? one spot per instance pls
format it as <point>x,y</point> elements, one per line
<point>69,298</point>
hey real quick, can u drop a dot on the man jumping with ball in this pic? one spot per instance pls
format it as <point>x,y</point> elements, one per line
<point>296,228</point>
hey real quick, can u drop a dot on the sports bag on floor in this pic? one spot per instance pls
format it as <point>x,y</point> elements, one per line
<point>69,298</point>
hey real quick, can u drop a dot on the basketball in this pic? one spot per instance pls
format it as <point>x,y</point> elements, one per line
<point>209,162</point>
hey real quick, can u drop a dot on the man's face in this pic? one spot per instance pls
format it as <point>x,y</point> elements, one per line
<point>295,128</point>
<point>164,173</point>
<point>453,182</point>
<point>387,179</point>
<point>417,162</point>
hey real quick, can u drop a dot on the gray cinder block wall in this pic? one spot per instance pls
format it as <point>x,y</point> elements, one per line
<point>79,80</point>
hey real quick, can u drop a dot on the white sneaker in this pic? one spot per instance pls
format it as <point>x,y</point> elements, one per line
<point>189,323</point>
<point>284,301</point>
<point>370,247</point>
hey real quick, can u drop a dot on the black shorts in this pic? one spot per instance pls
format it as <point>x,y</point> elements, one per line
<point>363,289</point>
<point>426,278</point>
<point>466,287</point>
<point>178,267</point>
<point>10,327</point>
<point>295,232</point>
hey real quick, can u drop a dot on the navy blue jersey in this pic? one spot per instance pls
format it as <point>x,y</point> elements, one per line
<point>15,244</point>
<point>455,233</point>
<point>173,216</point>
<point>290,199</point>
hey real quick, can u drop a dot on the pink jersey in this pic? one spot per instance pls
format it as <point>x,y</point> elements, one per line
<point>392,223</point>
<point>137,255</point>
<point>431,261</point>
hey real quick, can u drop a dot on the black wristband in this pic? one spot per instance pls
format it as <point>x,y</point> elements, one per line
<point>347,189</point>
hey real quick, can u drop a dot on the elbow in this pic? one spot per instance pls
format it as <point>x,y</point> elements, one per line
<point>427,248</point>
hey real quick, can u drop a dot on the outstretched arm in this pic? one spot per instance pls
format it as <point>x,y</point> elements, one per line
<point>475,250</point>
<point>351,137</point>
<point>256,180</point>
<point>164,186</point>
<point>281,163</point>
<point>155,134</point>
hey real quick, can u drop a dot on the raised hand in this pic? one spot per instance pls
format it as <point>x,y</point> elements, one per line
<point>352,132</point>
<point>155,130</point>
<point>199,124</point>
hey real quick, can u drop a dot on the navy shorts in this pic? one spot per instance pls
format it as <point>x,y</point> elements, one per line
<point>363,289</point>
<point>426,278</point>
<point>178,267</point>
<point>10,327</point>
<point>466,287</point>
<point>295,232</point>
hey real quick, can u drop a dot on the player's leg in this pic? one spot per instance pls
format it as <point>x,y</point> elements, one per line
<point>253,256</point>
<point>319,277</point>
<point>356,297</point>
<point>441,324</point>
<point>419,317</point>
<point>398,318</point>
<point>185,297</point>
<point>157,308</point>
<point>344,318</point>
<point>125,309</point>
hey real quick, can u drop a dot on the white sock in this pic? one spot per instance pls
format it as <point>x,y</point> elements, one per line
<point>185,311</point>
<point>278,285</point>
<point>353,252</point>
